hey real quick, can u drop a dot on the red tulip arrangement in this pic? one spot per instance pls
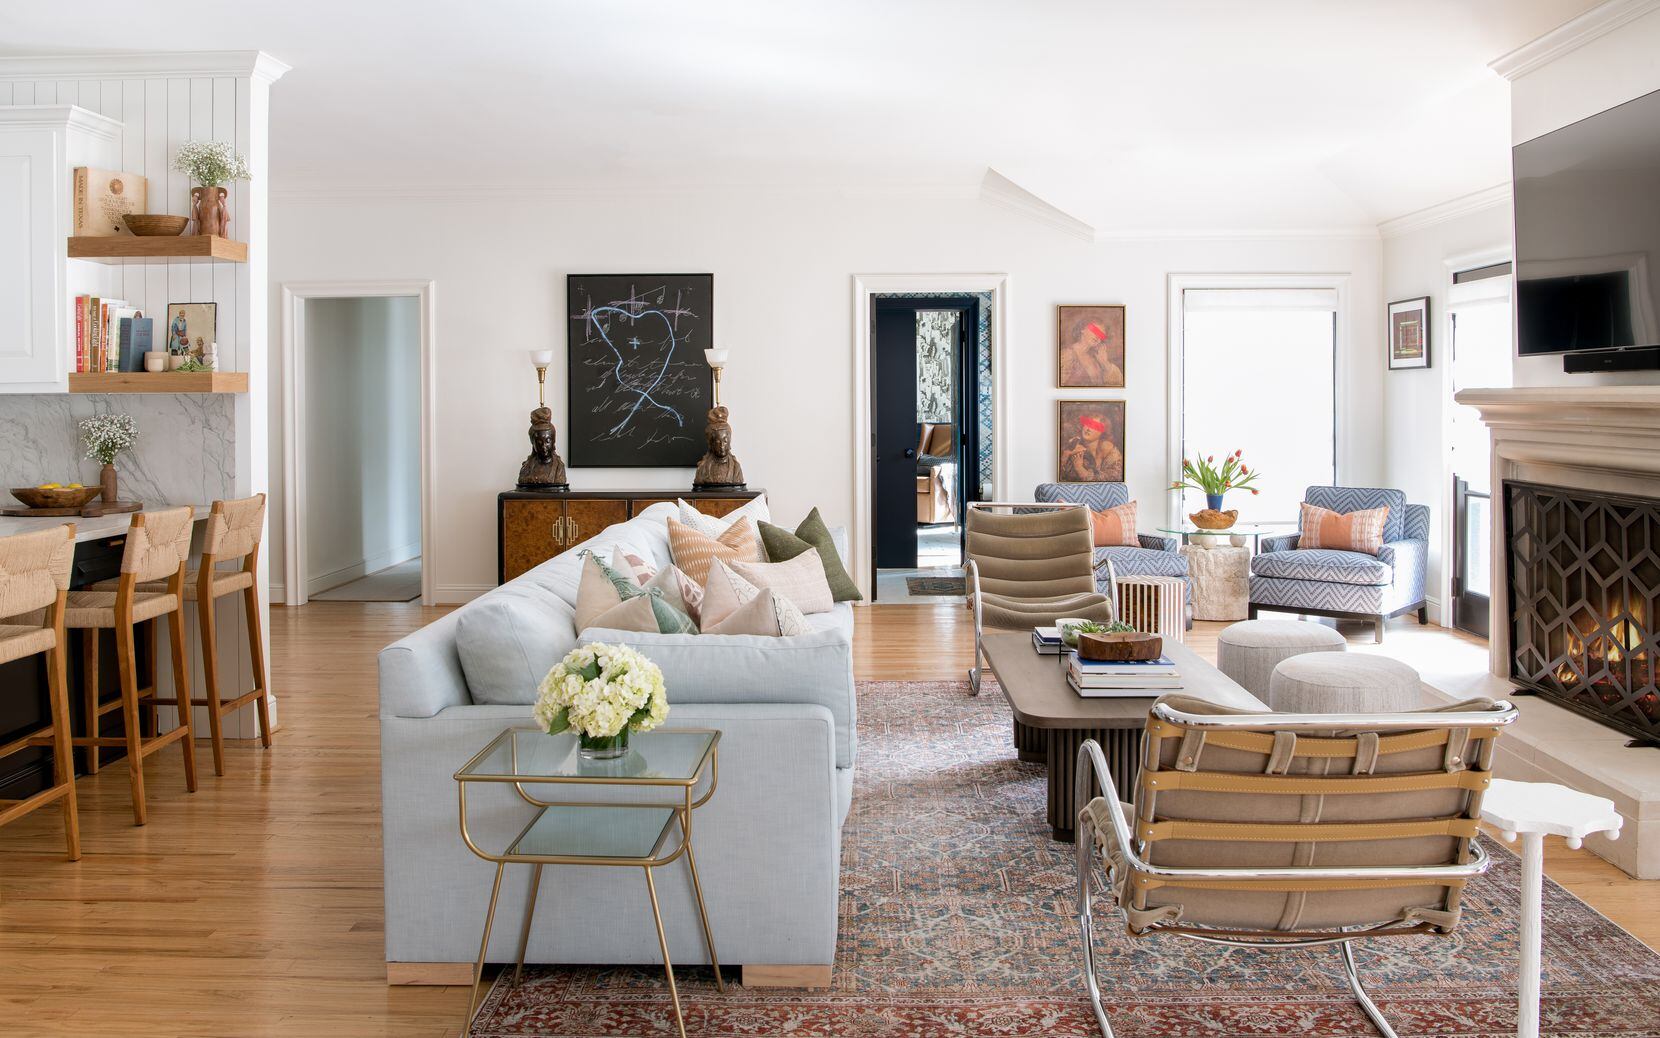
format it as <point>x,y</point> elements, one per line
<point>1204,475</point>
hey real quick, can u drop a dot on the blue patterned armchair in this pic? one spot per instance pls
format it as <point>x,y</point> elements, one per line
<point>1157,556</point>
<point>1348,585</point>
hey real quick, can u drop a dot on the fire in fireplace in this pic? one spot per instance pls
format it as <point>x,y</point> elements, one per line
<point>1584,575</point>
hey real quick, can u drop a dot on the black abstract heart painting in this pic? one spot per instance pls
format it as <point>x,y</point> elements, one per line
<point>639,387</point>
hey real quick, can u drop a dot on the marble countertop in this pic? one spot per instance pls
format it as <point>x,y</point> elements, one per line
<point>86,529</point>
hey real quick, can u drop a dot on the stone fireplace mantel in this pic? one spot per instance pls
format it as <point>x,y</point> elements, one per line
<point>1593,438</point>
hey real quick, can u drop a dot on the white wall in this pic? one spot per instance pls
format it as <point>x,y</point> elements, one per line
<point>1416,402</point>
<point>783,265</point>
<point>1606,71</point>
<point>363,451</point>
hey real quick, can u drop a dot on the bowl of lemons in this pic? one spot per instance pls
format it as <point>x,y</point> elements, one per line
<point>55,495</point>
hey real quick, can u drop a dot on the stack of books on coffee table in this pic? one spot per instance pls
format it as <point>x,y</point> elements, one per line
<point>1102,679</point>
<point>1047,641</point>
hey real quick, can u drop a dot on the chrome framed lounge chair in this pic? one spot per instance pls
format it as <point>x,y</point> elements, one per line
<point>1276,831</point>
<point>1029,566</point>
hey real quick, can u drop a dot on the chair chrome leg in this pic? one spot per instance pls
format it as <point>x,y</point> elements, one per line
<point>1083,844</point>
<point>974,678</point>
<point>1367,1006</point>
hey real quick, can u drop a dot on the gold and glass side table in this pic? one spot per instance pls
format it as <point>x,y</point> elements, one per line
<point>646,835</point>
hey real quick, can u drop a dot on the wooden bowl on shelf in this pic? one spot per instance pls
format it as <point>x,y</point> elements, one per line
<point>55,497</point>
<point>155,225</point>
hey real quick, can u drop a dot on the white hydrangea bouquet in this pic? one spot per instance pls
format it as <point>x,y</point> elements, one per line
<point>602,692</point>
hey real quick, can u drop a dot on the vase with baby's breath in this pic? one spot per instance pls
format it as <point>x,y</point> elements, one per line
<point>212,164</point>
<point>106,437</point>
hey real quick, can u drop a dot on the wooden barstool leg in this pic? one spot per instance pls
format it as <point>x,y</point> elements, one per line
<point>63,760</point>
<point>89,687</point>
<point>129,718</point>
<point>152,726</point>
<point>256,654</point>
<point>210,677</point>
<point>181,685</point>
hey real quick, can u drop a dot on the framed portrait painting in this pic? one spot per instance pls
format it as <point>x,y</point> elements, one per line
<point>1089,343</point>
<point>191,328</point>
<point>1409,333</point>
<point>1091,441</point>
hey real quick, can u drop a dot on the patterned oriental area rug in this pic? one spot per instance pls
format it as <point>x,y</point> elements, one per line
<point>956,920</point>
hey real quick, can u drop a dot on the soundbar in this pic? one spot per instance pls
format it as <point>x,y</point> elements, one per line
<point>1646,358</point>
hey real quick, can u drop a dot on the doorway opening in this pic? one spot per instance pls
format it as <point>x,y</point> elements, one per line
<point>357,443</point>
<point>1479,329</point>
<point>931,416</point>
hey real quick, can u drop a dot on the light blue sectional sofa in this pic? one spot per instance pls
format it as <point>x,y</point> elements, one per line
<point>768,844</point>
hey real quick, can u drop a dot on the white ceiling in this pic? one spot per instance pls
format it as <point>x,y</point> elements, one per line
<point>1130,116</point>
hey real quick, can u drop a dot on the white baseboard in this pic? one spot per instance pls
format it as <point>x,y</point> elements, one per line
<point>373,564</point>
<point>276,595</point>
<point>458,594</point>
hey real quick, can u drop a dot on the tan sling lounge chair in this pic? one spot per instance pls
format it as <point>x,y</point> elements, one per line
<point>1289,830</point>
<point>1029,568</point>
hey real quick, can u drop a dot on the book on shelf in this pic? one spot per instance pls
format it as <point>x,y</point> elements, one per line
<point>103,197</point>
<point>142,339</point>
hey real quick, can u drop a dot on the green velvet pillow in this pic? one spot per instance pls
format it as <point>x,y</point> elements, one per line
<point>782,545</point>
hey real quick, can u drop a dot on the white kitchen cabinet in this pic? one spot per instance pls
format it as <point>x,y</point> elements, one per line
<point>40,145</point>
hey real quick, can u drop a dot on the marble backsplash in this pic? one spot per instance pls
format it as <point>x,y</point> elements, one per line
<point>185,452</point>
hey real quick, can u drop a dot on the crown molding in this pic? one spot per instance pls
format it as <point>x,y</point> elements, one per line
<point>254,64</point>
<point>75,116</point>
<point>326,191</point>
<point>1571,35</point>
<point>1004,193</point>
<point>1441,212</point>
<point>1340,231</point>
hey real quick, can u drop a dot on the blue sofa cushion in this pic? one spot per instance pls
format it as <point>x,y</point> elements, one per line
<point>1323,564</point>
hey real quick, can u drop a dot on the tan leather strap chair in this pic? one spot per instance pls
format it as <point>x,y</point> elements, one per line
<point>34,585</point>
<point>1289,830</point>
<point>1028,567</point>
<point>232,536</point>
<point>151,586</point>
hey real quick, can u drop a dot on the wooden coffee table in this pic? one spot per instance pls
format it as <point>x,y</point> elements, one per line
<point>1051,721</point>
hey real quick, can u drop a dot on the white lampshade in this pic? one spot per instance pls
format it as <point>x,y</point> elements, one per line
<point>716,358</point>
<point>541,358</point>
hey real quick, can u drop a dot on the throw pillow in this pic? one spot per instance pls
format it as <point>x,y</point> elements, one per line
<point>782,546</point>
<point>636,614</point>
<point>596,592</point>
<point>801,580</point>
<point>693,551</point>
<point>1360,531</point>
<point>678,590</point>
<point>755,511</point>
<point>767,614</point>
<point>1115,527</point>
<point>632,566</point>
<point>724,592</point>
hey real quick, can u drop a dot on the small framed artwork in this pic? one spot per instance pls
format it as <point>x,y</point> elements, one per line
<point>1089,343</point>
<point>192,328</point>
<point>1091,441</point>
<point>1409,333</point>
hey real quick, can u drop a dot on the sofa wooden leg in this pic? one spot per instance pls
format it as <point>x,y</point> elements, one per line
<point>1423,616</point>
<point>435,974</point>
<point>1377,629</point>
<point>767,976</point>
<point>1250,612</point>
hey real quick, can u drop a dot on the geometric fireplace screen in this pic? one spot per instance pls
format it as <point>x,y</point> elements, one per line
<point>1584,575</point>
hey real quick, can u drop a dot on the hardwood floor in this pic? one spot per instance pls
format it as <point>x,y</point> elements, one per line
<point>253,907</point>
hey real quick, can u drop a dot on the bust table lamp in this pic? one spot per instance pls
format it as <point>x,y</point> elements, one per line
<point>543,469</point>
<point>718,469</point>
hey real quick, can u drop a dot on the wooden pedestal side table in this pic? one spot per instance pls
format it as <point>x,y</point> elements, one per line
<point>646,835</point>
<point>1534,810</point>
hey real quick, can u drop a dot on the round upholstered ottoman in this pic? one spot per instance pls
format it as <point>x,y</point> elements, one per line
<point>1248,652</point>
<point>1347,683</point>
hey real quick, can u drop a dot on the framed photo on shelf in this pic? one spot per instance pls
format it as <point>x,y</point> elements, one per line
<point>1409,333</point>
<point>1089,346</point>
<point>1091,438</point>
<point>191,328</point>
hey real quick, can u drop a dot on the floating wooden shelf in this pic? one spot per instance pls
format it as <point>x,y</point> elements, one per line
<point>194,248</point>
<point>158,382</point>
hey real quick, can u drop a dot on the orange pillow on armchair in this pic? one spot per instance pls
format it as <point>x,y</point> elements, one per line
<point>1115,527</point>
<point>1360,531</point>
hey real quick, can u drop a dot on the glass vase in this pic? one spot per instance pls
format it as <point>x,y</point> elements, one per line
<point>603,747</point>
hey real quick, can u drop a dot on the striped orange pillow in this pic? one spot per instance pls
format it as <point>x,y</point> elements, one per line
<point>1115,527</point>
<point>693,551</point>
<point>1360,531</point>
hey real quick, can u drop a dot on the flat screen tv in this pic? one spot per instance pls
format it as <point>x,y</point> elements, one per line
<point>1588,233</point>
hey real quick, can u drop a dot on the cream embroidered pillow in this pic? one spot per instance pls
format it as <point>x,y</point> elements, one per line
<point>801,580</point>
<point>723,594</point>
<point>1360,531</point>
<point>768,614</point>
<point>694,551</point>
